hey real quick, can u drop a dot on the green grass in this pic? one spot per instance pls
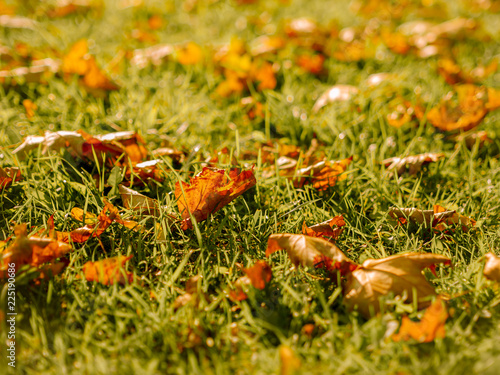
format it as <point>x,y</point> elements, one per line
<point>68,325</point>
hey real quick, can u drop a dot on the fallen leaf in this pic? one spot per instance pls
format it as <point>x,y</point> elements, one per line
<point>413,163</point>
<point>290,364</point>
<point>492,267</point>
<point>108,271</point>
<point>259,274</point>
<point>330,228</point>
<point>34,251</point>
<point>30,108</point>
<point>138,202</point>
<point>8,175</point>
<point>304,250</point>
<point>428,329</point>
<point>398,274</point>
<point>438,218</point>
<point>337,93</point>
<point>190,54</point>
<point>209,191</point>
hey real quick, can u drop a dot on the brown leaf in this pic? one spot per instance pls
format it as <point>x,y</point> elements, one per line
<point>330,229</point>
<point>108,271</point>
<point>304,250</point>
<point>397,274</point>
<point>138,202</point>
<point>492,267</point>
<point>438,218</point>
<point>413,163</point>
<point>8,175</point>
<point>209,191</point>
<point>429,328</point>
<point>260,274</point>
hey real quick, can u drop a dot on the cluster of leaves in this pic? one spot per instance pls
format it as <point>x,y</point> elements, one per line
<point>111,183</point>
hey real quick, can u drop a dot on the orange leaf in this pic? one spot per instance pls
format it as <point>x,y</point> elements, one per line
<point>76,61</point>
<point>190,54</point>
<point>260,274</point>
<point>209,191</point>
<point>304,250</point>
<point>429,328</point>
<point>30,108</point>
<point>8,175</point>
<point>331,228</point>
<point>108,271</point>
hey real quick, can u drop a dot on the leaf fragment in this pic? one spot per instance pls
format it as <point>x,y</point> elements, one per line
<point>492,267</point>
<point>109,271</point>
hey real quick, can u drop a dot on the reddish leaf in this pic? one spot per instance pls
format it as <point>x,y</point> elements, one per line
<point>260,274</point>
<point>330,229</point>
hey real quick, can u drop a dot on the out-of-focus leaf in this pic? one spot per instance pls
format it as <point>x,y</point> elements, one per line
<point>109,271</point>
<point>492,267</point>
<point>414,163</point>
<point>260,274</point>
<point>337,93</point>
<point>426,330</point>
<point>8,175</point>
<point>289,362</point>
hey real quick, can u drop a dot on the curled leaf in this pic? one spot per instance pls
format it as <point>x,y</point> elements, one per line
<point>138,202</point>
<point>438,218</point>
<point>337,93</point>
<point>413,163</point>
<point>329,229</point>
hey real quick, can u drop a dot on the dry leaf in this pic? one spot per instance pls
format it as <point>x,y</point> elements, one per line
<point>398,274</point>
<point>438,218</point>
<point>259,274</point>
<point>304,250</point>
<point>492,267</point>
<point>337,93</point>
<point>290,364</point>
<point>8,175</point>
<point>209,191</point>
<point>330,228</point>
<point>30,250</point>
<point>428,329</point>
<point>413,163</point>
<point>138,202</point>
<point>108,271</point>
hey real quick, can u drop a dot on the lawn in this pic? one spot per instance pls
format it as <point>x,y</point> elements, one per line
<point>224,87</point>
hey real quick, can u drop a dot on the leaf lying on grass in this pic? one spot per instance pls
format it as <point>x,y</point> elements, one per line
<point>108,271</point>
<point>8,175</point>
<point>34,251</point>
<point>364,284</point>
<point>209,191</point>
<point>327,229</point>
<point>413,163</point>
<point>426,330</point>
<point>492,267</point>
<point>438,218</point>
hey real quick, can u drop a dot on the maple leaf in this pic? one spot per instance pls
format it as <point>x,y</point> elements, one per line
<point>399,274</point>
<point>304,250</point>
<point>209,191</point>
<point>30,250</point>
<point>492,267</point>
<point>414,163</point>
<point>330,228</point>
<point>337,93</point>
<point>108,271</point>
<point>259,274</point>
<point>430,327</point>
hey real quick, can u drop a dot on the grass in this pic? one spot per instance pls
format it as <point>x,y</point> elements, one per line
<point>68,325</point>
